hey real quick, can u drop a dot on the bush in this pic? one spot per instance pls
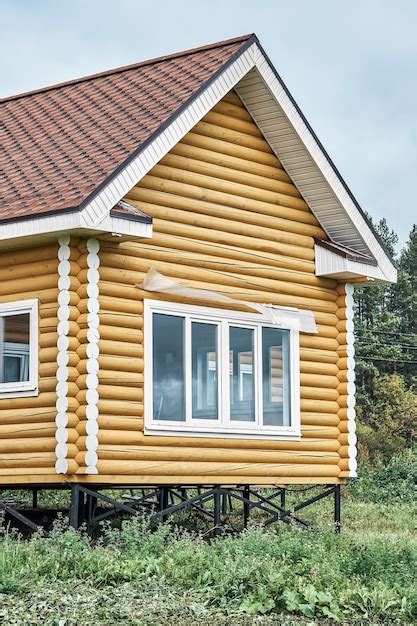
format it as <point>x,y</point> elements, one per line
<point>392,481</point>
<point>387,420</point>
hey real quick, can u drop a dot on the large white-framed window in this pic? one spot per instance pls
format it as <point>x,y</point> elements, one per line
<point>18,348</point>
<point>218,373</point>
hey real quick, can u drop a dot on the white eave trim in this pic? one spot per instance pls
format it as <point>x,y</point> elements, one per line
<point>48,227</point>
<point>333,265</point>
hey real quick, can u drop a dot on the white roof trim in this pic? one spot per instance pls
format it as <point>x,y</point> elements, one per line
<point>48,227</point>
<point>334,265</point>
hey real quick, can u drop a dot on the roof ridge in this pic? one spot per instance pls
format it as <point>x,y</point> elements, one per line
<point>125,68</point>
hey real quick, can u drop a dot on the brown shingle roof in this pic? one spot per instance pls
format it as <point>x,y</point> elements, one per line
<point>62,142</point>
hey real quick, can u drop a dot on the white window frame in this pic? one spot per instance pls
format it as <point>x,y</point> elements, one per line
<point>29,387</point>
<point>225,427</point>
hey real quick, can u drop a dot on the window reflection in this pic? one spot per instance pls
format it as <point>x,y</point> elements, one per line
<point>14,348</point>
<point>168,367</point>
<point>242,394</point>
<point>276,383</point>
<point>204,370</point>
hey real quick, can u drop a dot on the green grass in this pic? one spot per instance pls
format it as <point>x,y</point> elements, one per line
<point>283,575</point>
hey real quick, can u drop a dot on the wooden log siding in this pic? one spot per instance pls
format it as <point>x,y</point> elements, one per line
<point>226,217</point>
<point>27,425</point>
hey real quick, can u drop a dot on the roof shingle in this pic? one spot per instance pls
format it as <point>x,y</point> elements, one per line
<point>62,142</point>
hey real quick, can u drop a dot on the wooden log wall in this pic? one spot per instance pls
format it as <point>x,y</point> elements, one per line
<point>226,217</point>
<point>27,425</point>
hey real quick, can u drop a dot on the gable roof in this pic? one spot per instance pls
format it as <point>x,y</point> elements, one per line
<point>80,146</point>
<point>62,142</point>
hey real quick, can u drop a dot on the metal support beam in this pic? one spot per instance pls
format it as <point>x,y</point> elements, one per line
<point>246,505</point>
<point>217,512</point>
<point>337,509</point>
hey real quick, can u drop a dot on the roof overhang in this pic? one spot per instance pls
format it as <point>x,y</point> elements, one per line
<point>341,263</point>
<point>267,99</point>
<point>46,228</point>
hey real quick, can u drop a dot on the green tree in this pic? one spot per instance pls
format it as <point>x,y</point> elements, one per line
<point>386,353</point>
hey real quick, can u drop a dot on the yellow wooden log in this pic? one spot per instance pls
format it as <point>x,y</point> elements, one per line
<point>314,368</point>
<point>233,110</point>
<point>232,136</point>
<point>319,406</point>
<point>344,467</point>
<point>319,356</point>
<point>20,475</point>
<point>319,419</point>
<point>173,469</point>
<point>112,377</point>
<point>44,295</point>
<point>22,285</point>
<point>42,430</point>
<point>118,348</point>
<point>319,381</point>
<point>217,189</point>
<point>319,393</point>
<point>113,333</point>
<point>256,180</point>
<point>30,270</point>
<point>249,154</point>
<point>120,407</point>
<point>162,199</point>
<point>114,363</point>
<point>42,400</point>
<point>24,444</point>
<point>32,459</point>
<point>154,454</point>
<point>343,401</point>
<point>117,422</point>
<point>246,127</point>
<point>115,392</point>
<point>318,343</point>
<point>115,319</point>
<point>10,258</point>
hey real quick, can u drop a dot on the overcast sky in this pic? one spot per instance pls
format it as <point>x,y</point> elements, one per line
<point>351,66</point>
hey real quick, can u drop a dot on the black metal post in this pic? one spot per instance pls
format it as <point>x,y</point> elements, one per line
<point>246,505</point>
<point>90,505</point>
<point>282,495</point>
<point>337,509</point>
<point>163,502</point>
<point>74,507</point>
<point>34,498</point>
<point>217,512</point>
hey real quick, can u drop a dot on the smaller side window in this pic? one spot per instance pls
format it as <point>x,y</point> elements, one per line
<point>18,348</point>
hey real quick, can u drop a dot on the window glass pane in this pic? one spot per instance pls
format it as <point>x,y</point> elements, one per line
<point>14,348</point>
<point>168,368</point>
<point>204,370</point>
<point>276,377</point>
<point>242,389</point>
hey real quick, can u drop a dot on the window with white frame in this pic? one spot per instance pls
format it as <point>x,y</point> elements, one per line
<point>18,348</point>
<point>211,372</point>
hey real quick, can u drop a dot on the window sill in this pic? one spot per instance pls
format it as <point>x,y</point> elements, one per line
<point>223,433</point>
<point>18,393</point>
